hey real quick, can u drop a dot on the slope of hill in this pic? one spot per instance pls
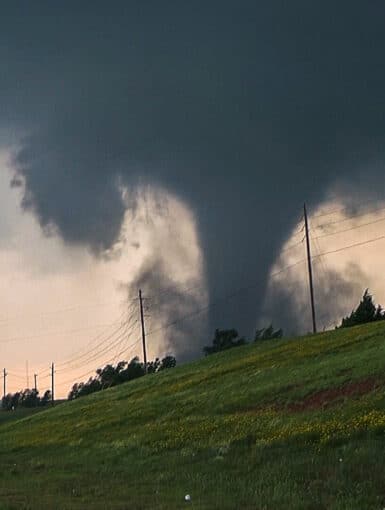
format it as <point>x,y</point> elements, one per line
<point>288,424</point>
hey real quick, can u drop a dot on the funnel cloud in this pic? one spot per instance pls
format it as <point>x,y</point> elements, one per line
<point>241,110</point>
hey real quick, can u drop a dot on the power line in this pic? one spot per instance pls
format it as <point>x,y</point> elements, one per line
<point>324,270</point>
<point>95,356</point>
<point>17,376</point>
<point>350,246</point>
<point>224,298</point>
<point>143,329</point>
<point>117,350</point>
<point>42,377</point>
<point>71,362</point>
<point>74,359</point>
<point>341,209</point>
<point>300,226</point>
<point>175,288</point>
<point>54,333</point>
<point>350,228</point>
<point>290,247</point>
<point>103,351</point>
<point>83,352</point>
<point>310,270</point>
<point>358,215</point>
<point>117,341</point>
<point>4,321</point>
<point>105,363</point>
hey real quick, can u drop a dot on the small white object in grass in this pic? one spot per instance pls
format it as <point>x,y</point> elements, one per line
<point>340,460</point>
<point>187,497</point>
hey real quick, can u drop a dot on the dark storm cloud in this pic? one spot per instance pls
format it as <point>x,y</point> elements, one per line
<point>243,109</point>
<point>169,310</point>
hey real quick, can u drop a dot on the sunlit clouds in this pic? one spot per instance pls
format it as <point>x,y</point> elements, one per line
<point>349,236</point>
<point>57,297</point>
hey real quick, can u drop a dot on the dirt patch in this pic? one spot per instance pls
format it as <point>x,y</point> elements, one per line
<point>325,398</point>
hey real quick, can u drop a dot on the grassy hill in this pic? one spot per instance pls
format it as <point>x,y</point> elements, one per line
<point>288,424</point>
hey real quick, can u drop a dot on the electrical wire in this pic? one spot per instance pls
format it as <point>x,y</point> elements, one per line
<point>85,350</point>
<point>41,377</point>
<point>105,363</point>
<point>225,298</point>
<point>54,333</point>
<point>292,246</point>
<point>341,209</point>
<point>353,216</point>
<point>300,227</point>
<point>350,246</point>
<point>75,357</point>
<point>325,271</point>
<point>4,321</point>
<point>117,349</point>
<point>154,298</point>
<point>351,228</point>
<point>15,375</point>
<point>101,352</point>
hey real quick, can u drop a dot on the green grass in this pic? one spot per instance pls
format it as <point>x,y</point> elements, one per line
<point>17,414</point>
<point>288,424</point>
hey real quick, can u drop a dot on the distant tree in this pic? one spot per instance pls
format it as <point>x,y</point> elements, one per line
<point>133,370</point>
<point>224,339</point>
<point>46,398</point>
<point>6,402</point>
<point>25,398</point>
<point>167,362</point>
<point>81,389</point>
<point>365,312</point>
<point>111,375</point>
<point>29,398</point>
<point>74,392</point>
<point>15,400</point>
<point>267,333</point>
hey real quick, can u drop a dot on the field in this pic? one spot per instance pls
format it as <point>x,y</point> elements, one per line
<point>288,424</point>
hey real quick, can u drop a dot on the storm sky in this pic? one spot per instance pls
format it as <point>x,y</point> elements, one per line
<point>241,111</point>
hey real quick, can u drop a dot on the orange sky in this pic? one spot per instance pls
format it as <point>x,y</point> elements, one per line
<point>59,302</point>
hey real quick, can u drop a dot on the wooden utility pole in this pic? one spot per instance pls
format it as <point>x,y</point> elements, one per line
<point>143,331</point>
<point>4,382</point>
<point>310,269</point>
<point>35,377</point>
<point>53,383</point>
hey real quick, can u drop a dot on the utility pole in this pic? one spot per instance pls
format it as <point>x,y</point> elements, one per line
<point>27,373</point>
<point>310,269</point>
<point>143,331</point>
<point>53,383</point>
<point>4,382</point>
<point>35,377</point>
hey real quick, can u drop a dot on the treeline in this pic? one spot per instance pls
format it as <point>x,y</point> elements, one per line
<point>228,338</point>
<point>25,398</point>
<point>365,312</point>
<point>106,377</point>
<point>123,371</point>
<point>112,375</point>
